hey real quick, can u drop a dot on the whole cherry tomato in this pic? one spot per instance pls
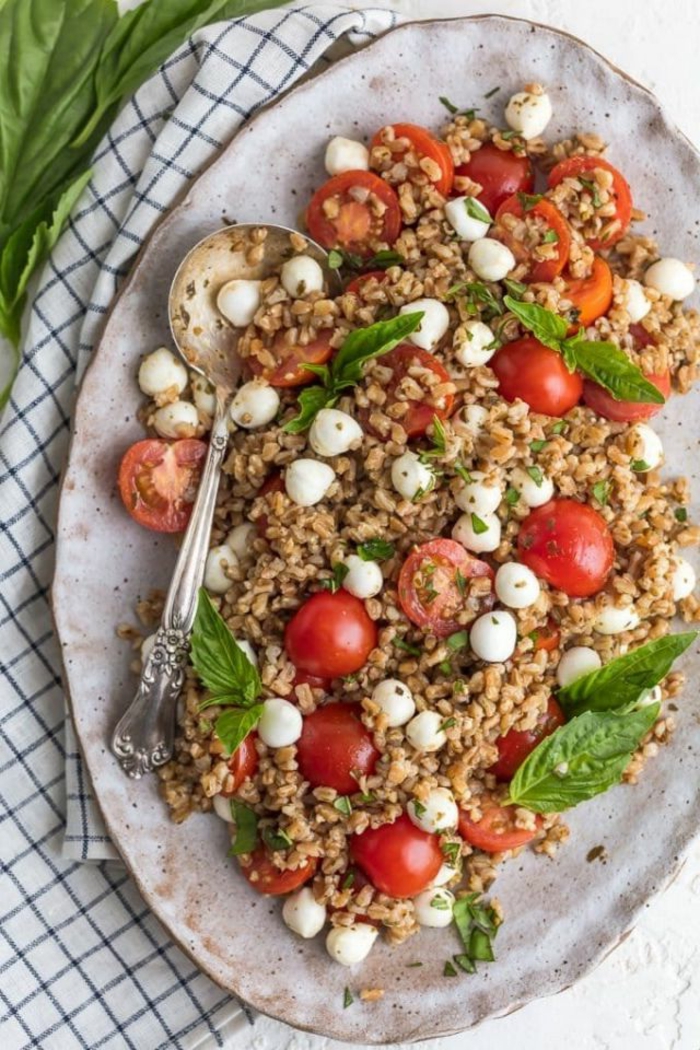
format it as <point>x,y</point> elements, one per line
<point>516,745</point>
<point>399,859</point>
<point>528,370</point>
<point>334,745</point>
<point>569,545</point>
<point>331,635</point>
<point>264,877</point>
<point>598,398</point>
<point>500,173</point>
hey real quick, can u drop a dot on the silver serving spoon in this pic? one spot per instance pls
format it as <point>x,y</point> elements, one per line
<point>144,736</point>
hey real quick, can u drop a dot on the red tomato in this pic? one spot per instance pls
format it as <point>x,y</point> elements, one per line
<point>598,398</point>
<point>288,371</point>
<point>355,286</point>
<point>399,859</point>
<point>264,877</point>
<point>496,830</point>
<point>569,545</point>
<point>301,678</point>
<point>273,483</point>
<point>420,414</point>
<point>500,173</point>
<point>355,228</point>
<point>516,745</point>
<point>590,295</point>
<point>242,763</point>
<point>331,635</point>
<point>431,590</point>
<point>528,370</point>
<point>641,337</point>
<point>333,745</point>
<point>572,167</point>
<point>425,145</point>
<point>158,481</point>
<point>547,638</point>
<point>552,218</point>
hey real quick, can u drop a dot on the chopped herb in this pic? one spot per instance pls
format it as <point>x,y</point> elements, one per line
<point>367,796</point>
<point>383,260</point>
<point>680,514</point>
<point>550,237</point>
<point>457,641</point>
<point>592,186</point>
<point>492,92</point>
<point>276,838</point>
<point>456,111</point>
<point>536,475</point>
<point>449,970</point>
<point>246,837</point>
<point>343,805</point>
<point>449,106</point>
<point>512,496</point>
<point>478,299</point>
<point>348,881</point>
<point>465,963</point>
<point>440,903</point>
<point>421,491</point>
<point>412,966</point>
<point>348,999</point>
<point>448,724</point>
<point>461,582</point>
<point>340,571</point>
<point>537,446</point>
<point>477,925</point>
<point>640,466</point>
<point>508,134</point>
<point>376,550</point>
<point>463,473</point>
<point>203,727</point>
<point>418,808</point>
<point>528,201</point>
<point>445,666</point>
<point>601,491</point>
<point>478,525</point>
<point>452,851</point>
<point>560,427</point>
<point>476,210</point>
<point>335,259</point>
<point>412,649</point>
<point>439,441</point>
<point>516,288</point>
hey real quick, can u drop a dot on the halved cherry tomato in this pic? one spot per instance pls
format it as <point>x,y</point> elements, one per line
<point>399,859</point>
<point>158,481</point>
<point>496,831</point>
<point>598,398</point>
<point>355,286</point>
<point>569,545</point>
<point>590,295</point>
<point>289,370</point>
<point>273,483</point>
<point>433,585</point>
<point>528,370</point>
<point>500,173</point>
<point>264,877</point>
<point>242,763</point>
<point>302,678</point>
<point>547,638</point>
<point>425,145</point>
<point>516,745</point>
<point>401,360</point>
<point>333,745</point>
<point>354,227</point>
<point>572,167</point>
<point>330,635</point>
<point>552,218</point>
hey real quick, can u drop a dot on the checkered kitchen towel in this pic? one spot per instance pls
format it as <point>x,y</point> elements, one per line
<point>82,962</point>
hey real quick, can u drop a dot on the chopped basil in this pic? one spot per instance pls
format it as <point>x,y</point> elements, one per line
<point>439,439</point>
<point>449,106</point>
<point>335,259</point>
<point>452,851</point>
<point>445,666</point>
<point>492,92</point>
<point>449,970</point>
<point>465,963</point>
<point>550,237</point>
<point>340,571</point>
<point>560,427</point>
<point>680,514</point>
<point>439,903</point>
<point>348,999</point>
<point>592,186</point>
<point>448,724</point>
<point>508,134</point>
<point>463,473</point>
<point>528,201</point>
<point>461,582</point>
<point>537,446</point>
<point>512,496</point>
<point>476,210</point>
<point>516,288</point>
<point>418,808</point>
<point>457,641</point>
<point>536,475</point>
<point>343,805</point>
<point>640,466</point>
<point>456,111</point>
<point>478,299</point>
<point>348,881</point>
<point>246,836</point>
<point>601,491</point>
<point>477,925</point>
<point>376,550</point>
<point>401,644</point>
<point>411,966</point>
<point>276,839</point>
<point>478,525</point>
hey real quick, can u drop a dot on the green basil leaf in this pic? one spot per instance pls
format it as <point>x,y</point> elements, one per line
<point>383,260</point>
<point>364,344</point>
<point>276,838</point>
<point>335,582</point>
<point>478,526</point>
<point>545,325</point>
<point>476,210</point>
<point>610,367</point>
<point>376,550</point>
<point>601,491</point>
<point>246,821</point>
<point>233,725</point>
<point>220,663</point>
<point>311,400</point>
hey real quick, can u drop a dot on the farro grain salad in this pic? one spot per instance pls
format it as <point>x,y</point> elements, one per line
<point>437,608</point>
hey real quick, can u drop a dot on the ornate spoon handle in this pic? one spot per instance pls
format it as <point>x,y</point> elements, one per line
<point>143,738</point>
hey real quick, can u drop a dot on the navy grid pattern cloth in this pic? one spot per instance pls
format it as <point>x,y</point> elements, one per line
<point>82,961</point>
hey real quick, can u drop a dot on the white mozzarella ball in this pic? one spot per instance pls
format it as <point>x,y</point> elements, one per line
<point>438,813</point>
<point>364,578</point>
<point>239,301</point>
<point>516,585</point>
<point>635,301</point>
<point>240,539</point>
<point>478,495</point>
<point>222,808</point>
<point>303,914</point>
<point>645,448</point>
<point>528,114</point>
<point>218,560</point>
<point>468,218</point>
<point>434,907</point>
<point>534,493</point>
<point>176,420</point>
<point>471,419</point>
<point>334,432</point>
<point>424,731</point>
<point>147,647</point>
<point>490,260</point>
<point>493,636</point>
<point>280,723</point>
<point>446,874</point>
<point>683,579</point>
<point>410,477</point>
<point>256,403</point>
<point>247,650</point>
<point>575,663</point>
<point>435,322</point>
<point>474,344</point>
<point>477,533</point>
<point>346,155</point>
<point>348,945</point>
<point>301,275</point>
<point>307,481</point>
<point>203,395</point>
<point>612,619</point>
<point>671,277</point>
<point>161,372</point>
<point>396,701</point>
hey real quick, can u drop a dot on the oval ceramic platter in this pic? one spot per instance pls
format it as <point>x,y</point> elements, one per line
<point>561,917</point>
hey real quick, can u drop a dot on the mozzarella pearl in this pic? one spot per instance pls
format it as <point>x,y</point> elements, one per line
<point>532,493</point>
<point>434,324</point>
<point>364,578</point>
<point>218,560</point>
<point>465,225</point>
<point>471,419</point>
<point>645,447</point>
<point>516,585</point>
<point>438,813</point>
<point>334,432</point>
<point>409,476</point>
<point>490,260</point>
<point>147,647</point>
<point>240,540</point>
<point>446,874</point>
<point>424,733</point>
<point>301,275</point>
<point>346,155</point>
<point>161,372</point>
<point>256,403</point>
<point>474,344</point>
<point>487,540</point>
<point>635,301</point>
<point>614,620</point>
<point>348,945</point>
<point>280,723</point>
<point>307,481</point>
<point>493,636</point>
<point>575,663</point>
<point>434,907</point>
<point>247,650</point>
<point>477,495</point>
<point>396,701</point>
<point>176,420</point>
<point>683,580</point>
<point>222,808</point>
<point>303,914</point>
<point>528,114</point>
<point>239,301</point>
<point>671,277</point>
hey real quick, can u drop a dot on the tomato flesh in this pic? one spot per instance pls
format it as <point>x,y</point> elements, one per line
<point>549,216</point>
<point>399,859</point>
<point>424,144</point>
<point>289,370</point>
<point>547,638</point>
<point>569,545</point>
<point>496,829</point>
<point>528,370</point>
<point>334,745</point>
<point>420,414</point>
<point>355,286</point>
<point>500,173</point>
<point>433,584</point>
<point>331,635</point>
<point>264,877</point>
<point>604,404</point>
<point>273,483</point>
<point>516,745</point>
<point>340,214</point>
<point>242,763</point>
<point>585,165</point>
<point>158,481</point>
<point>591,296</point>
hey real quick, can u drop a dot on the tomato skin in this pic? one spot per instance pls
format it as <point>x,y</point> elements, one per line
<point>448,557</point>
<point>333,744</point>
<point>572,167</point>
<point>331,635</point>
<point>516,745</point>
<point>158,481</point>
<point>302,678</point>
<point>273,483</point>
<point>496,830</point>
<point>420,414</point>
<point>289,371</point>
<point>569,545</point>
<point>543,269</point>
<point>399,859</point>
<point>355,229</point>
<point>590,295</point>
<point>547,638</point>
<point>355,286</point>
<point>270,880</point>
<point>425,144</point>
<point>242,763</point>
<point>604,404</point>
<point>500,173</point>
<point>528,370</point>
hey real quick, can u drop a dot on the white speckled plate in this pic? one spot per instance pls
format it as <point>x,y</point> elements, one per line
<point>562,917</point>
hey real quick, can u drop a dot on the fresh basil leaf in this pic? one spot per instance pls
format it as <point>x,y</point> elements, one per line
<point>476,210</point>
<point>340,571</point>
<point>477,925</point>
<point>622,680</point>
<point>233,725</point>
<point>463,961</point>
<point>457,641</point>
<point>376,550</point>
<point>384,259</point>
<point>276,838</point>
<point>610,367</point>
<point>479,299</point>
<point>515,288</point>
<point>412,650</point>
<point>545,325</point>
<point>311,400</point>
<point>536,475</point>
<point>222,666</point>
<point>343,805</point>
<point>463,473</point>
<point>560,427</point>
<point>348,998</point>
<point>364,344</point>
<point>538,445</point>
<point>246,821</point>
